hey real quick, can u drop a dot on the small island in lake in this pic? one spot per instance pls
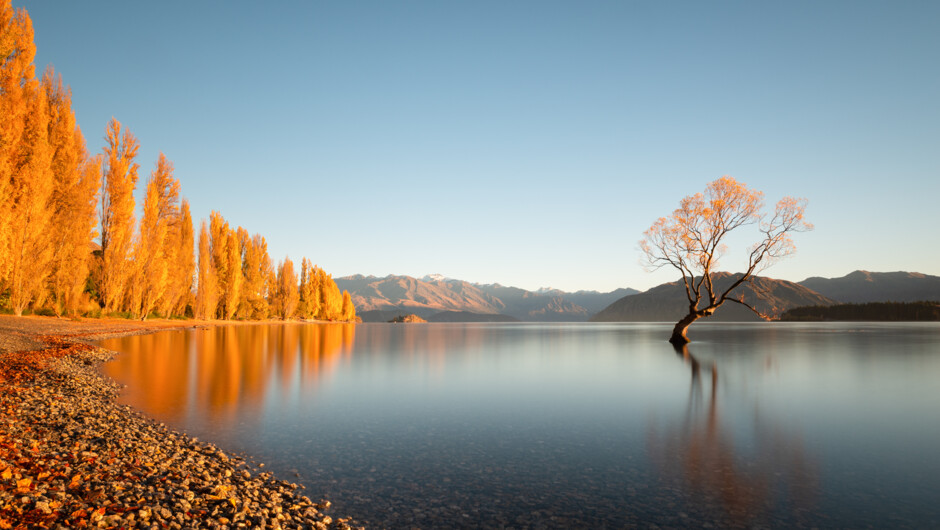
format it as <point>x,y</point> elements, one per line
<point>408,319</point>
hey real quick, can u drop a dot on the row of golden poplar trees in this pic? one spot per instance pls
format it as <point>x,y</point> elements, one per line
<point>56,198</point>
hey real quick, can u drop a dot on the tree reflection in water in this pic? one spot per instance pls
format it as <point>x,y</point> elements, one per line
<point>227,375</point>
<point>775,482</point>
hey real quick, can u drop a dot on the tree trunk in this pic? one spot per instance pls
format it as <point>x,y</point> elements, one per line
<point>678,333</point>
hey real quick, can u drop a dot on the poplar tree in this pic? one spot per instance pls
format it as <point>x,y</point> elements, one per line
<point>179,251</point>
<point>286,295</point>
<point>233,278</point>
<point>218,237</point>
<point>349,310</point>
<point>30,214</point>
<point>244,247</point>
<point>117,213</point>
<point>17,51</point>
<point>207,284</point>
<point>161,210</point>
<point>309,306</point>
<point>257,269</point>
<point>226,256</point>
<point>74,195</point>
<point>331,300</point>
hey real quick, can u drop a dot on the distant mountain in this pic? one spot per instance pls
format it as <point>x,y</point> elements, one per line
<point>864,286</point>
<point>421,297</point>
<point>381,299</point>
<point>532,306</point>
<point>593,301</point>
<point>668,302</point>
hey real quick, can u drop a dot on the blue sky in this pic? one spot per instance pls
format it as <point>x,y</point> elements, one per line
<point>524,143</point>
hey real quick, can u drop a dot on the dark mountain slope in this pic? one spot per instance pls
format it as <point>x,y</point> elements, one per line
<point>864,286</point>
<point>668,302</point>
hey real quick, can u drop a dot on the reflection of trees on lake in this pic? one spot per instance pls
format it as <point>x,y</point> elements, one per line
<point>775,478</point>
<point>227,370</point>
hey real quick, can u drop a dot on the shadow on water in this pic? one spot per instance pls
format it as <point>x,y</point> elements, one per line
<point>760,474</point>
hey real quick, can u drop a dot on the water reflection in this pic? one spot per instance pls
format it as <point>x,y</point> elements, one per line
<point>771,481</point>
<point>228,373</point>
<point>575,425</point>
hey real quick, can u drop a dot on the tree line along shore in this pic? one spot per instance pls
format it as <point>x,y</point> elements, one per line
<point>57,199</point>
<point>924,311</point>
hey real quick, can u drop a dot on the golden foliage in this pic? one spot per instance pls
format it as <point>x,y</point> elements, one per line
<point>161,213</point>
<point>207,286</point>
<point>50,188</point>
<point>31,190</point>
<point>309,307</point>
<point>74,196</point>
<point>257,270</point>
<point>348,312</point>
<point>233,279</point>
<point>178,247</point>
<point>226,256</point>
<point>16,74</point>
<point>331,300</point>
<point>117,213</point>
<point>286,295</point>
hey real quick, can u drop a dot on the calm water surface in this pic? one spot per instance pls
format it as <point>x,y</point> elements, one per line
<point>470,425</point>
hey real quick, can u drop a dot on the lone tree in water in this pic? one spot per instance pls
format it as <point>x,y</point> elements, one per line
<point>691,241</point>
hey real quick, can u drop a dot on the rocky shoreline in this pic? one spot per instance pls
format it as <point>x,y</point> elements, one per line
<point>71,456</point>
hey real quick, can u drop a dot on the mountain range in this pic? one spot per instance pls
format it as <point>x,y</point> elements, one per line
<point>863,286</point>
<point>668,302</point>
<point>436,298</point>
<point>439,299</point>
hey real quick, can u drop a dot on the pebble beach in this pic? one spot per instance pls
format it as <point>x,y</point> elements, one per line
<point>72,457</point>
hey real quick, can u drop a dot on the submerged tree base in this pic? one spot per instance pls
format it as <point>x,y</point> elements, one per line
<point>679,339</point>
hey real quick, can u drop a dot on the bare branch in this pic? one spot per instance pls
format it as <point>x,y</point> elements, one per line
<point>745,304</point>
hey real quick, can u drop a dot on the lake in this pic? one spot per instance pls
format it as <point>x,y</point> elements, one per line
<point>566,425</point>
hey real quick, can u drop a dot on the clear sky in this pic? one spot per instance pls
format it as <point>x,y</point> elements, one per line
<point>524,143</point>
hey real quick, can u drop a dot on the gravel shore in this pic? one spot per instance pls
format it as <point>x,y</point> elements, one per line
<point>70,456</point>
